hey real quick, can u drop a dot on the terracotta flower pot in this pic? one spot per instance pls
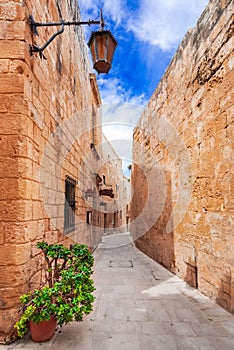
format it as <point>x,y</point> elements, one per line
<point>42,331</point>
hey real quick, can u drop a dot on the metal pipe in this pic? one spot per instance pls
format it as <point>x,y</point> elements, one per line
<point>52,24</point>
<point>52,38</point>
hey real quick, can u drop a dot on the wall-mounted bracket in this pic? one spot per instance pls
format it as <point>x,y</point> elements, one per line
<point>34,25</point>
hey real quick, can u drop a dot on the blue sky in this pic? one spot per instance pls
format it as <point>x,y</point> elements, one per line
<point>148,33</point>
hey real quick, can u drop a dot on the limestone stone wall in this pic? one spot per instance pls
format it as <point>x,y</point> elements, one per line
<point>182,175</point>
<point>49,125</point>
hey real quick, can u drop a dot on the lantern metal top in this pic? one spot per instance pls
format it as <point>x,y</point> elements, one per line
<point>101,32</point>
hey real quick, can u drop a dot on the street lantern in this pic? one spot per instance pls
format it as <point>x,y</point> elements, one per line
<point>102,45</point>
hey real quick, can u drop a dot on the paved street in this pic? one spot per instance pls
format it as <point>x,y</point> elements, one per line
<point>141,306</point>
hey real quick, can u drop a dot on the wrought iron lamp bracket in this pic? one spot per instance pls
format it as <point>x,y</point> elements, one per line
<point>34,25</point>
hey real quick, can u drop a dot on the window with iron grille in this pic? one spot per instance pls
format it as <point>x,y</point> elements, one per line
<point>70,204</point>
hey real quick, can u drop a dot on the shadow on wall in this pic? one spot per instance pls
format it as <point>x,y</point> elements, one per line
<point>157,242</point>
<point>225,296</point>
<point>138,201</point>
<point>191,276</point>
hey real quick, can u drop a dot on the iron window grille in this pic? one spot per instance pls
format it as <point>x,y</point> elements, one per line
<point>70,204</point>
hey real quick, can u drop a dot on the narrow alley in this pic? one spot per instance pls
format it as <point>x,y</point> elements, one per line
<point>86,158</point>
<point>140,305</point>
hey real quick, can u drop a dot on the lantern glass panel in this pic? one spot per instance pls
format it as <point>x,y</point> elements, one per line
<point>111,49</point>
<point>102,45</point>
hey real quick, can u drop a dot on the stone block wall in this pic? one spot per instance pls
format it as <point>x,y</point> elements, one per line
<point>48,122</point>
<point>182,175</point>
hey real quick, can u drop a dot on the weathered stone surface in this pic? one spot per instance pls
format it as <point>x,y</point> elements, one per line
<point>12,30</point>
<point>11,83</point>
<point>12,10</point>
<point>190,116</point>
<point>11,49</point>
<point>15,254</point>
<point>21,232</point>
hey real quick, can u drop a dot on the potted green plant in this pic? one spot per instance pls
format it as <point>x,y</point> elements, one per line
<point>67,295</point>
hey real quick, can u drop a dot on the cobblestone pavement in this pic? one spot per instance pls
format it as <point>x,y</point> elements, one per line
<point>141,306</point>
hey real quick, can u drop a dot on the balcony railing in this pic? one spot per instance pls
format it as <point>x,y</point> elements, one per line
<point>106,190</point>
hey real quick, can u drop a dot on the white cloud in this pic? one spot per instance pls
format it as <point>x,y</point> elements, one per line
<point>121,140</point>
<point>119,121</point>
<point>125,114</point>
<point>112,91</point>
<point>163,23</point>
<point>114,9</point>
<point>122,147</point>
<point>111,9</point>
<point>88,6</point>
<point>117,132</point>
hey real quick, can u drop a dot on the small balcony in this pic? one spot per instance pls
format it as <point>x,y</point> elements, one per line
<point>106,190</point>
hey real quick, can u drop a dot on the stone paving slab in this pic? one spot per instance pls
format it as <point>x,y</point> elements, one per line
<point>141,306</point>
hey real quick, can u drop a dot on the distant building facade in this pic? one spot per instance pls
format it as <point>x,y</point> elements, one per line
<point>114,209</point>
